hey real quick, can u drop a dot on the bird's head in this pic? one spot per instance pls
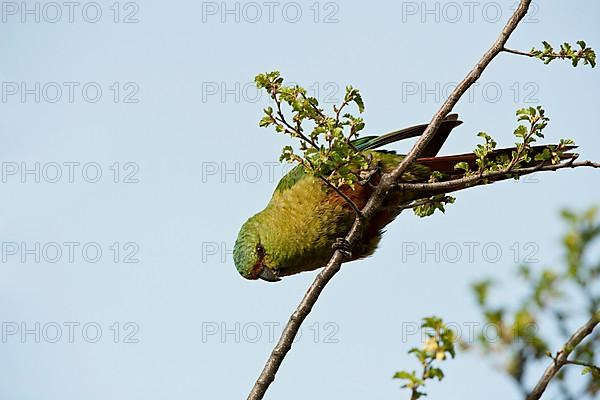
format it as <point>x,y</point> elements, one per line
<point>251,253</point>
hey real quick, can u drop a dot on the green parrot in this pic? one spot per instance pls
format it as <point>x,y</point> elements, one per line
<point>305,219</point>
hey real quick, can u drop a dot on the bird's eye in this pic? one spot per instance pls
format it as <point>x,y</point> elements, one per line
<point>260,250</point>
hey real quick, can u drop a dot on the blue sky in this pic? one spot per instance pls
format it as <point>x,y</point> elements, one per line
<point>145,157</point>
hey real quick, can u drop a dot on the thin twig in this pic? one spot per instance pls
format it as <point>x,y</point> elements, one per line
<point>518,52</point>
<point>289,128</point>
<point>413,204</point>
<point>562,356</point>
<point>526,145</point>
<point>581,364</point>
<point>415,389</point>
<point>479,179</point>
<point>337,190</point>
<point>550,56</point>
<point>267,376</point>
<point>343,196</point>
<point>317,109</point>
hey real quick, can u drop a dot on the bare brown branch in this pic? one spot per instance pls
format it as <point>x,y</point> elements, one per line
<point>519,52</point>
<point>562,357</point>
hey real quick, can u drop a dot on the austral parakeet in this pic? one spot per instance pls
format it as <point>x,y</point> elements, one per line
<point>297,230</point>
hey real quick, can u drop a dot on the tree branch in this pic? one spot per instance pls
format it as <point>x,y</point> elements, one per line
<point>458,92</point>
<point>479,179</point>
<point>580,363</point>
<point>518,52</point>
<point>562,356</point>
<point>284,344</point>
<point>289,128</point>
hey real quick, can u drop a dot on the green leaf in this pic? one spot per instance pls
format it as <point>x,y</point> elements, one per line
<point>481,290</point>
<point>436,373</point>
<point>432,204</point>
<point>403,375</point>
<point>462,165</point>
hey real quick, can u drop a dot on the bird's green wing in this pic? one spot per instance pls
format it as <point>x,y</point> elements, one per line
<point>375,142</point>
<point>290,179</point>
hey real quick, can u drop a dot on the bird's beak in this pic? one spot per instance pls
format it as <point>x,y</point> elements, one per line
<point>268,275</point>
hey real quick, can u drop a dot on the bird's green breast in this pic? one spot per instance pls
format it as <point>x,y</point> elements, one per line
<point>304,218</point>
<point>300,223</point>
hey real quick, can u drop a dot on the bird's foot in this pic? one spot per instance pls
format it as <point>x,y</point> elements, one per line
<point>343,246</point>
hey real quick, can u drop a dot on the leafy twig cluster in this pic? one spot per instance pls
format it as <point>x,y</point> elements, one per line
<point>501,164</point>
<point>537,120</point>
<point>439,342</point>
<point>566,51</point>
<point>326,146</point>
